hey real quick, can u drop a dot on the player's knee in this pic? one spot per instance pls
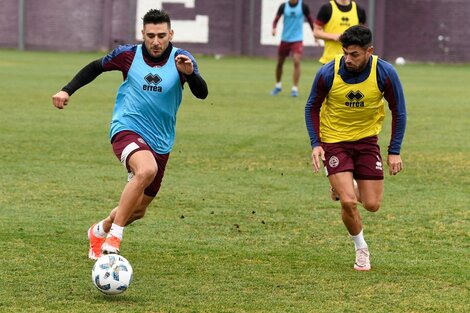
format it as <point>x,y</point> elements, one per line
<point>146,174</point>
<point>372,206</point>
<point>349,204</point>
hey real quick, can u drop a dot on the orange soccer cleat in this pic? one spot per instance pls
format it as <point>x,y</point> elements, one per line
<point>111,245</point>
<point>94,252</point>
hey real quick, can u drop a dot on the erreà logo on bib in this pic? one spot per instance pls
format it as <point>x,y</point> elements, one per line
<point>354,98</point>
<point>152,83</point>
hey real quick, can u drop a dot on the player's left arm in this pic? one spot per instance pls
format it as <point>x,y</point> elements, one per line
<point>361,14</point>
<point>187,66</point>
<point>308,16</point>
<point>390,85</point>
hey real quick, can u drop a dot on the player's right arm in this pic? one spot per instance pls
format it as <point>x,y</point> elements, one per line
<point>308,17</point>
<point>83,77</point>
<point>323,17</point>
<point>279,13</point>
<point>320,89</point>
<point>119,59</point>
<point>319,33</point>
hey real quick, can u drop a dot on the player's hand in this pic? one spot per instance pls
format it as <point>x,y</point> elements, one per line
<point>317,154</point>
<point>60,99</point>
<point>395,164</point>
<point>274,31</point>
<point>184,64</point>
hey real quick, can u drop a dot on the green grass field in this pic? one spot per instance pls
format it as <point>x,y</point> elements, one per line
<point>241,223</point>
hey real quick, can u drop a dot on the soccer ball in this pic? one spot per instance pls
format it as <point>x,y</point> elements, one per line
<point>400,61</point>
<point>111,274</point>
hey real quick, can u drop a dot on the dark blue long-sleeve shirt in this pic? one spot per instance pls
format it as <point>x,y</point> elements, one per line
<point>389,84</point>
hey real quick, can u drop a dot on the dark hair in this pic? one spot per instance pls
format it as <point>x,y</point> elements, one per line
<point>356,35</point>
<point>157,17</point>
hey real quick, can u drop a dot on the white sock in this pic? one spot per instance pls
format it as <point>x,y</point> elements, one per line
<point>98,230</point>
<point>359,242</point>
<point>116,231</point>
<point>295,88</point>
<point>278,85</point>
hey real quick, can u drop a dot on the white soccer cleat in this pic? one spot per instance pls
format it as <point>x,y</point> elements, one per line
<point>362,260</point>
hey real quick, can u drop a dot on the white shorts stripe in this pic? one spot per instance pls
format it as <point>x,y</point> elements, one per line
<point>127,150</point>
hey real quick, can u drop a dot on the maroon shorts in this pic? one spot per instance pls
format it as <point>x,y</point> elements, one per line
<point>286,48</point>
<point>361,157</point>
<point>125,144</point>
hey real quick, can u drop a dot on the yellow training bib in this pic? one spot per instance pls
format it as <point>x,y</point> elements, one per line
<point>352,111</point>
<point>338,23</point>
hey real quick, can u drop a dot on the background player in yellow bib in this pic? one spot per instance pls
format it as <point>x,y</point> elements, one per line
<point>344,115</point>
<point>332,20</point>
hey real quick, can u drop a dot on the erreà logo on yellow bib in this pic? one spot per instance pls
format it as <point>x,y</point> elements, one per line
<point>354,98</point>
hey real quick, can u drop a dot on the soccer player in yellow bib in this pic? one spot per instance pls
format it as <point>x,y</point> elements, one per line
<point>344,115</point>
<point>334,18</point>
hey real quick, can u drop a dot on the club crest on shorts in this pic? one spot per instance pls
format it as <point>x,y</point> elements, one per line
<point>141,140</point>
<point>333,161</point>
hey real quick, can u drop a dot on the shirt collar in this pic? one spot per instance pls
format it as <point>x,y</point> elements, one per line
<point>348,75</point>
<point>159,59</point>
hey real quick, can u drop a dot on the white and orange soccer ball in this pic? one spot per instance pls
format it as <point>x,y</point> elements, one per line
<point>112,274</point>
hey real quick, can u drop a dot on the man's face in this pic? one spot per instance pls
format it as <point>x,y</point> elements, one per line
<point>156,38</point>
<point>356,57</point>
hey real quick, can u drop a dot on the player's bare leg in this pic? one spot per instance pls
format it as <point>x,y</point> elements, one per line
<point>144,168</point>
<point>343,185</point>
<point>371,192</point>
<point>296,58</point>
<point>335,197</point>
<point>98,232</point>
<point>278,73</point>
<point>139,212</point>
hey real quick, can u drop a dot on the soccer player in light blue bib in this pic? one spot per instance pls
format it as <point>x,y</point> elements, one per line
<point>294,12</point>
<point>143,123</point>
